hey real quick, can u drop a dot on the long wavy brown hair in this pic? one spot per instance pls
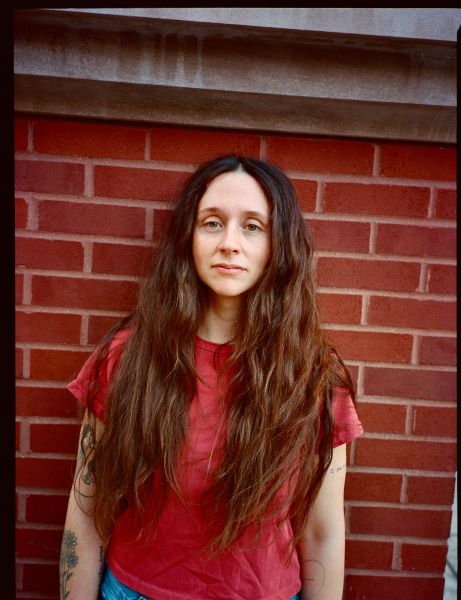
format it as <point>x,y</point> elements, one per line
<point>278,400</point>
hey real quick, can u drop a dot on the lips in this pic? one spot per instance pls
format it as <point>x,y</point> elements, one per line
<point>228,268</point>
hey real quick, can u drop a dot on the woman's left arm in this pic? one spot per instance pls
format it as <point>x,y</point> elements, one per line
<point>321,550</point>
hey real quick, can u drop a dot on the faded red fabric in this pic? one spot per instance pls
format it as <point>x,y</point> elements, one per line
<point>171,565</point>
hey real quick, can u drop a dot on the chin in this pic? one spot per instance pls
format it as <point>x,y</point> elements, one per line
<point>226,293</point>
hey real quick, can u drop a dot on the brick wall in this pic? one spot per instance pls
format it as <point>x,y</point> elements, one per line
<point>91,199</point>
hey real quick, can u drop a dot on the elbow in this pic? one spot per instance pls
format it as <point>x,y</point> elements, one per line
<point>325,530</point>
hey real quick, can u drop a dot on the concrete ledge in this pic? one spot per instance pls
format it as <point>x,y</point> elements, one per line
<point>142,66</point>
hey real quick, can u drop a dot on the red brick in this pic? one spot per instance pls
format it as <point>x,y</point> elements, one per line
<point>46,508</point>
<point>405,454</point>
<point>367,554</point>
<point>306,192</point>
<point>160,218</point>
<point>424,557</point>
<point>99,219</point>
<point>19,362</point>
<point>383,418</point>
<point>35,253</point>
<point>366,199</point>
<point>368,274</point>
<point>47,327</point>
<point>98,326</point>
<point>84,139</point>
<point>20,134</point>
<point>374,587</point>
<point>438,351</point>
<point>19,284</point>
<point>321,155</point>
<point>140,184</point>
<point>435,421</point>
<point>373,487</point>
<point>41,578</point>
<point>18,435</point>
<point>84,293</point>
<point>430,490</point>
<point>45,402</point>
<point>372,346</point>
<point>377,520</point>
<point>38,543</point>
<point>20,213</point>
<point>58,365</point>
<point>410,383</point>
<point>196,146</point>
<point>120,259</point>
<point>408,312</point>
<point>49,177</point>
<point>441,279</point>
<point>56,473</point>
<point>445,204</point>
<point>62,438</point>
<point>340,308</point>
<point>343,236</point>
<point>410,240</point>
<point>418,162</point>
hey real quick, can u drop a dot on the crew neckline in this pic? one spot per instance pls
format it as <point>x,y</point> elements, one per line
<point>213,346</point>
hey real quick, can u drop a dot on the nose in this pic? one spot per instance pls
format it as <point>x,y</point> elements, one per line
<point>229,241</point>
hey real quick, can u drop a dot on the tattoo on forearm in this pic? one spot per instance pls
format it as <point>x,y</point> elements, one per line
<point>68,561</point>
<point>315,578</point>
<point>336,469</point>
<point>87,446</point>
<point>101,562</point>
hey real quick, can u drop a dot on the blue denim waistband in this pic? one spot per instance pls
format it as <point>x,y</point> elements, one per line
<point>113,589</point>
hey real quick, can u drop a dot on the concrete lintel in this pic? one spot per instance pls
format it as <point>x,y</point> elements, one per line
<point>73,62</point>
<point>435,24</point>
<point>246,111</point>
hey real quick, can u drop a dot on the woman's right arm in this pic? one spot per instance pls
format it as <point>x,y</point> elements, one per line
<point>82,550</point>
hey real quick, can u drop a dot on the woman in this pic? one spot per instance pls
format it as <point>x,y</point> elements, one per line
<point>213,447</point>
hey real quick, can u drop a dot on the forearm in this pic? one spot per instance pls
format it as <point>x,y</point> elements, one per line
<point>82,549</point>
<point>322,567</point>
<point>82,557</point>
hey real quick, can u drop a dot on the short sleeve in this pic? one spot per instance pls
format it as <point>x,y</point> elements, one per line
<point>347,425</point>
<point>78,387</point>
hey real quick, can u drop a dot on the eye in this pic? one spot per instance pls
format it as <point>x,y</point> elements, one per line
<point>252,227</point>
<point>212,225</point>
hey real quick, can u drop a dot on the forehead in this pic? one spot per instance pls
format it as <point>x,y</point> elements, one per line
<point>236,189</point>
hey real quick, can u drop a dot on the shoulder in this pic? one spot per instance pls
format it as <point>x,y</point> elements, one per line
<point>119,340</point>
<point>347,425</point>
<point>116,347</point>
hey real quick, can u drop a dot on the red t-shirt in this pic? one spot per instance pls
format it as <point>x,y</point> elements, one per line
<point>171,565</point>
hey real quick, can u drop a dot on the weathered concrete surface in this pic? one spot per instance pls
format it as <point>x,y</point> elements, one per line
<point>417,23</point>
<point>161,65</point>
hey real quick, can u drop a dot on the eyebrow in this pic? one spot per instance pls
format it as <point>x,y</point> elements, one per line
<point>248,213</point>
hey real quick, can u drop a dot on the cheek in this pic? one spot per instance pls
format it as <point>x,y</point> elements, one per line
<point>199,251</point>
<point>265,253</point>
<point>195,251</point>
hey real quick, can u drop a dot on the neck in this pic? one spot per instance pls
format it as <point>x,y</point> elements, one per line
<point>220,320</point>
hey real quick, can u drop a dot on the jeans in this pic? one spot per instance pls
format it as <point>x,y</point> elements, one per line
<point>112,589</point>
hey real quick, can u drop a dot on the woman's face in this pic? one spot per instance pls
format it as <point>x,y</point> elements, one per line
<point>231,243</point>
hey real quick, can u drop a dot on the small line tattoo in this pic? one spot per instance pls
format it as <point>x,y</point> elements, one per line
<point>68,561</point>
<point>336,469</point>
